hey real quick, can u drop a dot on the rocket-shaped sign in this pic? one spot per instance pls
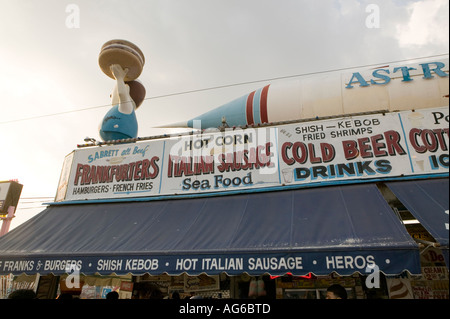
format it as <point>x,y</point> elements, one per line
<point>388,88</point>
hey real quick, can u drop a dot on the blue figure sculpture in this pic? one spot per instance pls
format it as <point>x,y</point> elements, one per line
<point>120,122</point>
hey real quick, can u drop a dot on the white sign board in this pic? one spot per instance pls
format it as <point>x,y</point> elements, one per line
<point>318,152</point>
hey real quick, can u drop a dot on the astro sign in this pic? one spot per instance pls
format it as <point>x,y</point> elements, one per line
<point>383,76</point>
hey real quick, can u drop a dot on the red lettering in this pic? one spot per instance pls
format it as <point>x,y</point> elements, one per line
<point>137,171</point>
<point>78,173</point>
<point>85,177</point>
<point>428,140</point>
<point>364,149</point>
<point>284,148</point>
<point>377,147</point>
<point>269,154</point>
<point>440,136</point>
<point>413,134</point>
<point>312,154</point>
<point>303,150</point>
<point>169,169</point>
<point>393,143</point>
<point>155,167</point>
<point>350,149</point>
<point>113,173</point>
<point>435,257</point>
<point>328,152</point>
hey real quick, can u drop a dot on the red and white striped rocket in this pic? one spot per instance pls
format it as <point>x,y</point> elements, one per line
<point>388,88</point>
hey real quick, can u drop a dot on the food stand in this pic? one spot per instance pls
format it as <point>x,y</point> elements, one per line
<point>288,208</point>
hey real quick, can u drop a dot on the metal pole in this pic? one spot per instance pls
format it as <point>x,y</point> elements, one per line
<point>7,220</point>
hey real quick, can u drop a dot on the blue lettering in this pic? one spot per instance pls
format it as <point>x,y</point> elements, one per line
<point>359,79</point>
<point>376,74</point>
<point>427,70</point>
<point>405,72</point>
<point>384,74</point>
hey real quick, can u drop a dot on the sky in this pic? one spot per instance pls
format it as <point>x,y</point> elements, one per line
<point>53,93</point>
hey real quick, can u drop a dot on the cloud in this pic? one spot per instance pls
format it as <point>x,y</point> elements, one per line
<point>425,25</point>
